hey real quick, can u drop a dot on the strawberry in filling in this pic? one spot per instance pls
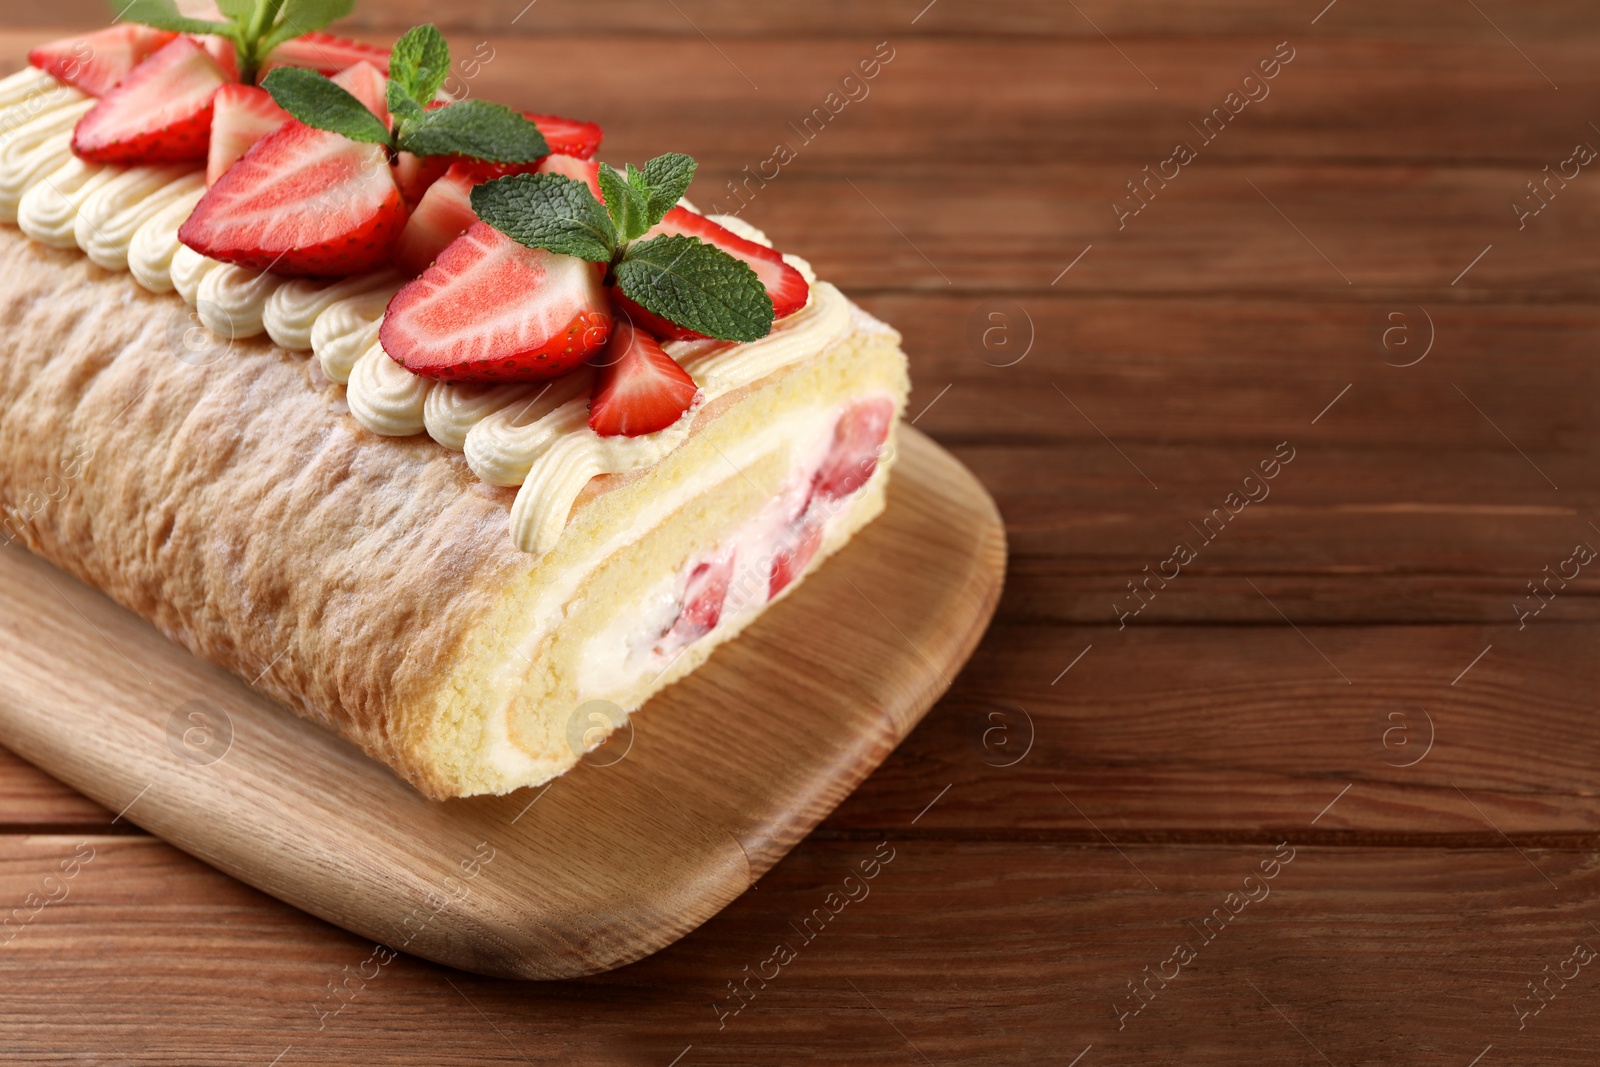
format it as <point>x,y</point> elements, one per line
<point>492,310</point>
<point>703,600</point>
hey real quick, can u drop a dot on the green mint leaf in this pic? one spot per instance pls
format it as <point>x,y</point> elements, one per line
<point>401,106</point>
<point>475,128</point>
<point>237,10</point>
<point>316,101</point>
<point>628,209</point>
<point>300,17</point>
<point>548,211</point>
<point>698,286</point>
<point>164,15</point>
<point>668,177</point>
<point>420,63</point>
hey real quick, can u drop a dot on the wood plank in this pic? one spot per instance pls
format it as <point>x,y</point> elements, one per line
<point>722,19</point>
<point>1371,954</point>
<point>1335,102</point>
<point>803,707</point>
<point>1198,733</point>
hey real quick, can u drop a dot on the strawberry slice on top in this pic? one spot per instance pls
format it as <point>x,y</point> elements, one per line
<point>568,137</point>
<point>302,202</point>
<point>639,389</point>
<point>444,213</point>
<point>786,286</point>
<point>369,85</point>
<point>243,115</point>
<point>493,310</point>
<point>96,62</point>
<point>160,113</point>
<point>326,53</point>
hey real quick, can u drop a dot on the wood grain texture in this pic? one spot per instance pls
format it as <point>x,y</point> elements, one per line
<point>1193,339</point>
<point>604,865</point>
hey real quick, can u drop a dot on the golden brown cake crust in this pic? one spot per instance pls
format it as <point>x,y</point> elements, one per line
<point>234,504</point>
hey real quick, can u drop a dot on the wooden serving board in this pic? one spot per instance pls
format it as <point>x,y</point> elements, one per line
<point>649,837</point>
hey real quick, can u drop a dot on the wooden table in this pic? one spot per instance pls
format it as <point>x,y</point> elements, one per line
<point>1092,834</point>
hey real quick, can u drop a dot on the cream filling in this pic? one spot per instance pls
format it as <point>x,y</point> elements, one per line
<point>631,649</point>
<point>536,437</point>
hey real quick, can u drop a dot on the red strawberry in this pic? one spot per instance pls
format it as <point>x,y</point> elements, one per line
<point>793,554</point>
<point>222,50</point>
<point>786,286</point>
<point>159,113</point>
<point>858,439</point>
<point>492,310</point>
<point>415,174</point>
<point>326,53</point>
<point>444,214</point>
<point>703,598</point>
<point>640,389</point>
<point>583,170</point>
<point>244,115</point>
<point>568,137</point>
<point>369,85</point>
<point>96,62</point>
<point>301,202</point>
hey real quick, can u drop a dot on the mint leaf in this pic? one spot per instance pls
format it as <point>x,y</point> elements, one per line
<point>237,10</point>
<point>316,101</point>
<point>401,106</point>
<point>475,128</point>
<point>628,209</point>
<point>668,177</point>
<point>164,15</point>
<point>420,63</point>
<point>698,286</point>
<point>300,17</point>
<point>548,211</point>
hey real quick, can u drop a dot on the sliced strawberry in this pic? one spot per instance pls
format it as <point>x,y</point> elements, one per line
<point>858,439</point>
<point>415,174</point>
<point>159,113</point>
<point>583,170</point>
<point>640,389</point>
<point>369,85</point>
<point>444,214</point>
<point>492,310</point>
<point>703,598</point>
<point>793,554</point>
<point>568,137</point>
<point>96,62</point>
<point>326,53</point>
<point>223,51</point>
<point>301,202</point>
<point>786,286</point>
<point>243,116</point>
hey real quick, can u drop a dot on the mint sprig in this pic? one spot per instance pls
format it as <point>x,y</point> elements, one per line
<point>255,27</point>
<point>693,284</point>
<point>697,286</point>
<point>418,66</point>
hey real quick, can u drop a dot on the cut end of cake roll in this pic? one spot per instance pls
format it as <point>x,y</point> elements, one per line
<point>656,569</point>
